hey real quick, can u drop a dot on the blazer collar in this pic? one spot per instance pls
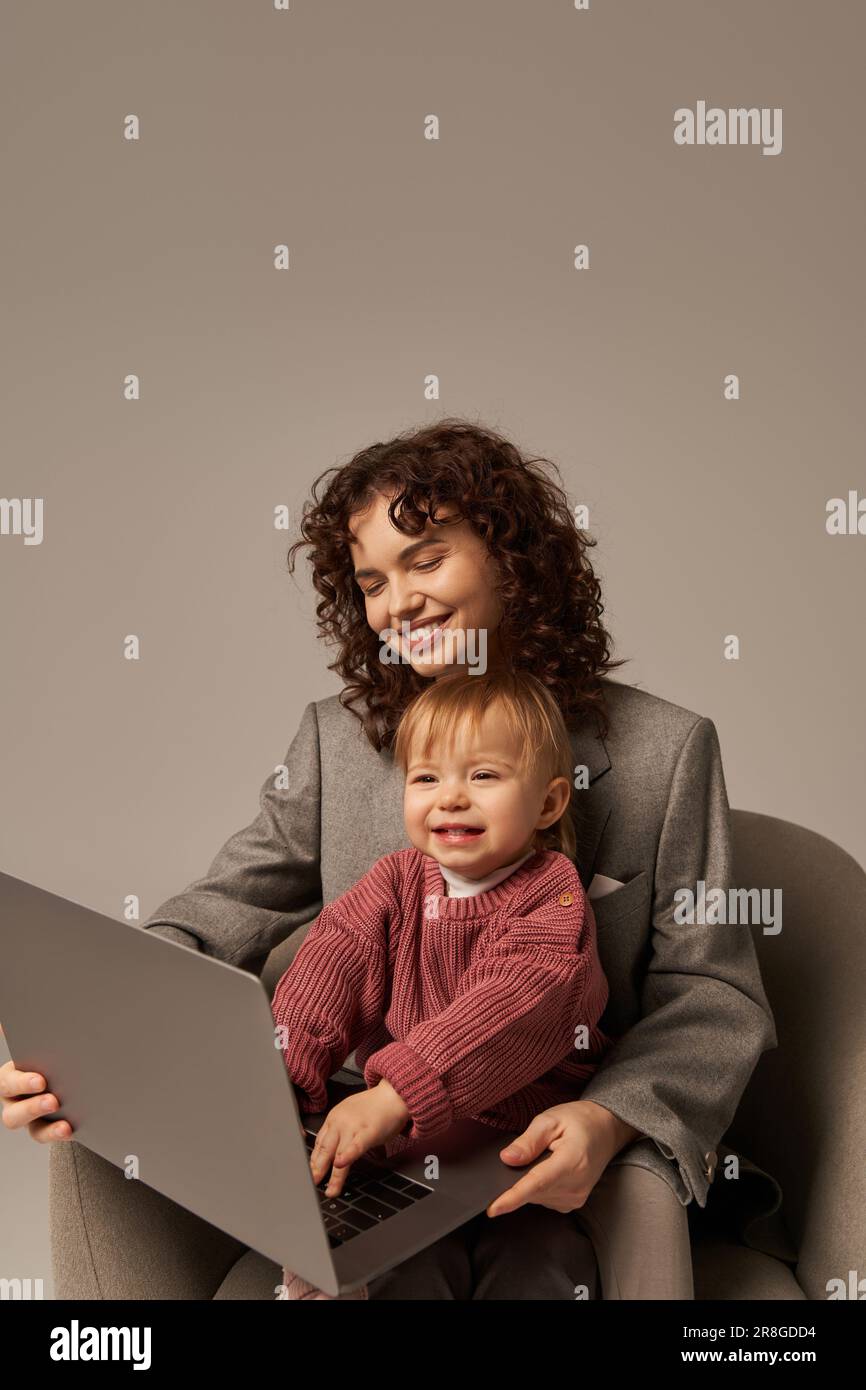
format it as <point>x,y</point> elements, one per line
<point>591,805</point>
<point>590,749</point>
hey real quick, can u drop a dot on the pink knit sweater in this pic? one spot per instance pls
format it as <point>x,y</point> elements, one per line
<point>467,1006</point>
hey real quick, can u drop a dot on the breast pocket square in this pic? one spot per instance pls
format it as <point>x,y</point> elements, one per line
<point>601,885</point>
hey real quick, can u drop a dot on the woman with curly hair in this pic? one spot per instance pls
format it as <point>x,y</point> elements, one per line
<point>476,504</point>
<point>451,529</point>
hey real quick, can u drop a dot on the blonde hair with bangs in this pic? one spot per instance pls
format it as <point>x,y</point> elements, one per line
<point>532,717</point>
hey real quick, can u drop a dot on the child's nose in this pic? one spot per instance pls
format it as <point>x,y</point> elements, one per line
<point>454,795</point>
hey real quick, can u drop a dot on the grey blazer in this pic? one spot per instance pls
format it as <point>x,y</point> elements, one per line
<point>686,1002</point>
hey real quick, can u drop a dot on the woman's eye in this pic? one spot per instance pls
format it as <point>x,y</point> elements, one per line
<point>375,589</point>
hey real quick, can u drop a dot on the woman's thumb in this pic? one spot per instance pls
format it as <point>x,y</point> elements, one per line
<point>531,1142</point>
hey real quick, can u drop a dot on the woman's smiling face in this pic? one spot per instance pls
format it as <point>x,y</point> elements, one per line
<point>443,579</point>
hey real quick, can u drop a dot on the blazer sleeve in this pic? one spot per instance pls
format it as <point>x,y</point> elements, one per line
<point>679,1072</point>
<point>513,1017</point>
<point>265,881</point>
<point>333,993</point>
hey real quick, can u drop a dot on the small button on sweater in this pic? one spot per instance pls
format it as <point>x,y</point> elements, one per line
<point>469,1006</point>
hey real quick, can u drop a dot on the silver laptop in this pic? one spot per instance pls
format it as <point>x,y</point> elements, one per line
<point>165,1063</point>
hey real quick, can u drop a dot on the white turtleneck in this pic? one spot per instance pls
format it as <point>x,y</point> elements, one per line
<point>458,886</point>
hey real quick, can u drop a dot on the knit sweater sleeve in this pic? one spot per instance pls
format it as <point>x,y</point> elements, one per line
<point>532,982</point>
<point>333,992</point>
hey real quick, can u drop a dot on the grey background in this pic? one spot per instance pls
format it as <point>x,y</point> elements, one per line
<point>409,257</point>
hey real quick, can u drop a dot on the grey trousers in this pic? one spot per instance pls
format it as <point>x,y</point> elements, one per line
<point>112,1237</point>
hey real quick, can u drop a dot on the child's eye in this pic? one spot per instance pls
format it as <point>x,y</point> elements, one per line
<point>486,774</point>
<point>424,777</point>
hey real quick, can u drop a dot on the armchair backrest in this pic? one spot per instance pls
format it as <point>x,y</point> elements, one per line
<point>803,1114</point>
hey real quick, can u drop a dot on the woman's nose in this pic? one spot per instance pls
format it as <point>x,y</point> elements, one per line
<point>406,603</point>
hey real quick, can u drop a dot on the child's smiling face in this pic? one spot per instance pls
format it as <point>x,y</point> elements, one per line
<point>478,787</point>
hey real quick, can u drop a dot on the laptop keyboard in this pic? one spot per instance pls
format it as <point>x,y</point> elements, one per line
<point>371,1194</point>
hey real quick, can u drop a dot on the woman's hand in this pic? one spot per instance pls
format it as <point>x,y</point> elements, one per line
<point>356,1124</point>
<point>583,1137</point>
<point>26,1102</point>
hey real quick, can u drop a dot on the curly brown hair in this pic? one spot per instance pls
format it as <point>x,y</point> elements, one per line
<point>550,598</point>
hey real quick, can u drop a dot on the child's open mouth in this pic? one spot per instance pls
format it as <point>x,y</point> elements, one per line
<point>457,834</point>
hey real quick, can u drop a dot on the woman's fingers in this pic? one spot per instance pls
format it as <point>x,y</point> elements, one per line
<point>44,1132</point>
<point>544,1184</point>
<point>19,1083</point>
<point>538,1136</point>
<point>26,1103</point>
<point>34,1115</point>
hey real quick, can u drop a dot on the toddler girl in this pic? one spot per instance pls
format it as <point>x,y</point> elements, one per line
<point>464,971</point>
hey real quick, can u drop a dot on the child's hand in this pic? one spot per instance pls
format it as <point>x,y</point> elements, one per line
<point>358,1123</point>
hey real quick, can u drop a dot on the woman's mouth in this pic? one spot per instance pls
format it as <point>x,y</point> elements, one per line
<point>457,834</point>
<point>426,632</point>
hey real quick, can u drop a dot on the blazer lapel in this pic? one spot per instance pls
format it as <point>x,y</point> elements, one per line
<point>590,805</point>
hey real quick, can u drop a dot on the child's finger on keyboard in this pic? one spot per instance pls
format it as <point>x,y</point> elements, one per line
<point>348,1151</point>
<point>337,1180</point>
<point>323,1152</point>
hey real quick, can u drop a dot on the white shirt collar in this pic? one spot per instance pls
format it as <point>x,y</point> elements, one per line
<point>458,886</point>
